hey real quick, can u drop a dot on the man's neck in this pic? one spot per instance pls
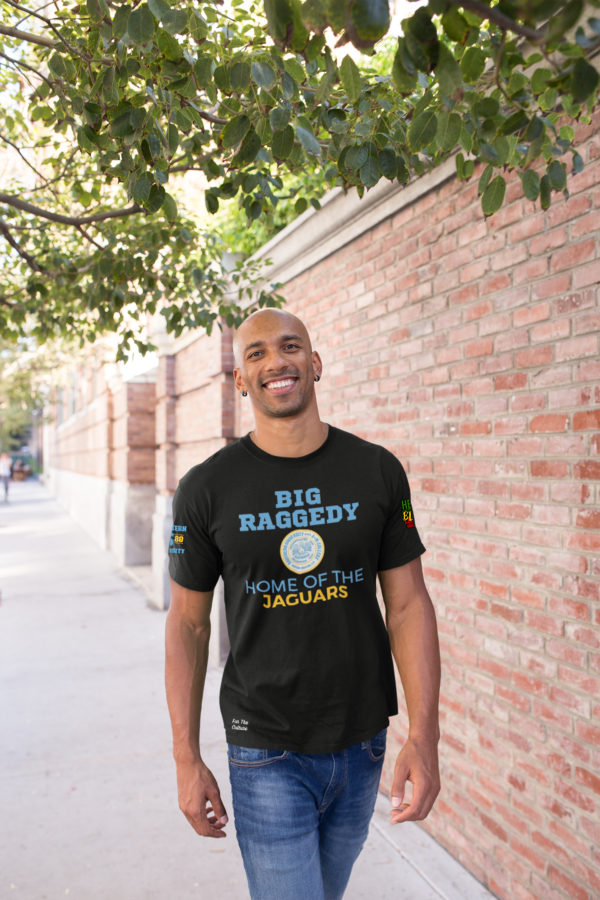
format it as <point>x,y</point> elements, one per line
<point>291,436</point>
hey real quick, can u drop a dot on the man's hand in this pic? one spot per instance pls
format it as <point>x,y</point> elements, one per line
<point>418,763</point>
<point>199,795</point>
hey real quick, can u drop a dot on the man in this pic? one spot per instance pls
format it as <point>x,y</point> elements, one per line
<point>299,518</point>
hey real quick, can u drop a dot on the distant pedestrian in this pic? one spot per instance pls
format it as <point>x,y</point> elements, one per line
<point>300,518</point>
<point>5,472</point>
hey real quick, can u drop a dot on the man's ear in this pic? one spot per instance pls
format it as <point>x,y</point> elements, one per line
<point>239,381</point>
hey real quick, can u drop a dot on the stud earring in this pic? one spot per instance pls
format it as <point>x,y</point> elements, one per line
<point>318,378</point>
<point>244,393</point>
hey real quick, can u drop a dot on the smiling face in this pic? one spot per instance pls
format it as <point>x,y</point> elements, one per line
<point>275,363</point>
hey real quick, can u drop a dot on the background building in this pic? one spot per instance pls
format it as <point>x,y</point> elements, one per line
<point>470,349</point>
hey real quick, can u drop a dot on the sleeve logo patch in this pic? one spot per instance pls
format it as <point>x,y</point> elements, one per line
<point>177,536</point>
<point>302,550</point>
<point>407,514</point>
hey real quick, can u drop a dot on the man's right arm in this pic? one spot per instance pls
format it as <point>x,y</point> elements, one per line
<point>187,637</point>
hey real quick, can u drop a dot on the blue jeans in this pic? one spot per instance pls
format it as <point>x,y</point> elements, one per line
<point>302,819</point>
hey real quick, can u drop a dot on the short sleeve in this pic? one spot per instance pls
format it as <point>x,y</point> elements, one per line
<point>400,542</point>
<point>194,559</point>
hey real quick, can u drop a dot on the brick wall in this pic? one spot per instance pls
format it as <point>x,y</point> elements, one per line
<point>110,435</point>
<point>470,349</point>
<point>82,442</point>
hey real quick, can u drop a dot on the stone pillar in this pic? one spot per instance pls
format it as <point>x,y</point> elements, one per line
<point>162,519</point>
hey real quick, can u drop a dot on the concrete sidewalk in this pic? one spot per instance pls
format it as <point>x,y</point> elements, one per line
<point>89,807</point>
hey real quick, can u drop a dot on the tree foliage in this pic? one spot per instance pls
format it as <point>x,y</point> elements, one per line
<point>108,104</point>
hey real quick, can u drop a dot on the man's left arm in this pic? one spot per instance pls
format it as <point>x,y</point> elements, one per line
<point>412,628</point>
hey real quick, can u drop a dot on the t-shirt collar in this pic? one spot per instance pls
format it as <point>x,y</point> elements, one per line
<point>289,461</point>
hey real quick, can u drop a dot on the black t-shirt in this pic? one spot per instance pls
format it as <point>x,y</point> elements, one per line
<point>299,542</point>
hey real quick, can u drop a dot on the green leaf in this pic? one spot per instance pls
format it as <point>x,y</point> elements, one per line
<point>221,79</point>
<point>388,164</point>
<point>57,66</point>
<point>567,133</point>
<point>169,207</point>
<point>141,190</point>
<point>173,139</point>
<point>211,202</point>
<point>168,46</point>
<point>121,21</point>
<point>159,9</point>
<point>141,25</point>
<point>368,22</point>
<point>156,198</point>
<point>263,130</point>
<point>203,71</point>
<point>531,184</point>
<point>263,74</point>
<point>514,123</point>
<point>447,72</point>
<point>301,205</point>
<point>566,18</point>
<point>93,8</point>
<point>577,163</point>
<point>293,68</point>
<point>280,118</point>
<point>197,24</point>
<point>351,80</point>
<point>455,25</point>
<point>176,22</point>
<point>534,130</point>
<point>239,77</point>
<point>472,64</point>
<point>584,80</point>
<point>235,131</point>
<point>485,179</point>
<point>416,51</point>
<point>448,130</point>
<point>493,196</point>
<point>557,175</point>
<point>460,166</point>
<point>539,79</point>
<point>370,172</point>
<point>486,108</point>
<point>280,16</point>
<point>121,126</point>
<point>405,82</point>
<point>356,156</point>
<point>422,131</point>
<point>282,143</point>
<point>545,188</point>
<point>249,149</point>
<point>502,148</point>
<point>308,141</point>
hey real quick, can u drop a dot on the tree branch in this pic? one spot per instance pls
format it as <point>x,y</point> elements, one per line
<point>67,220</point>
<point>30,38</point>
<point>16,246</point>
<point>498,18</point>
<point>88,237</point>
<point>26,36</point>
<point>22,65</point>
<point>25,160</point>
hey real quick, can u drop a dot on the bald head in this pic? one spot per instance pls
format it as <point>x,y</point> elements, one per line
<point>262,326</point>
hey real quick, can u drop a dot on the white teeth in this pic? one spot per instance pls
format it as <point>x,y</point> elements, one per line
<point>279,384</point>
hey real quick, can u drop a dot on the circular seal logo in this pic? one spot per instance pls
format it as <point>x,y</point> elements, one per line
<point>302,550</point>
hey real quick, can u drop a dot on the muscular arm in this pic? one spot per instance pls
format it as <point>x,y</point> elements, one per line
<point>413,635</point>
<point>187,636</point>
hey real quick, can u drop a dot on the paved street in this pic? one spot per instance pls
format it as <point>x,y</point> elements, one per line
<point>87,780</point>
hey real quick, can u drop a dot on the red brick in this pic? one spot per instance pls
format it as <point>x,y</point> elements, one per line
<point>587,779</point>
<point>538,356</point>
<point>590,419</point>
<point>572,255</point>
<point>573,890</point>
